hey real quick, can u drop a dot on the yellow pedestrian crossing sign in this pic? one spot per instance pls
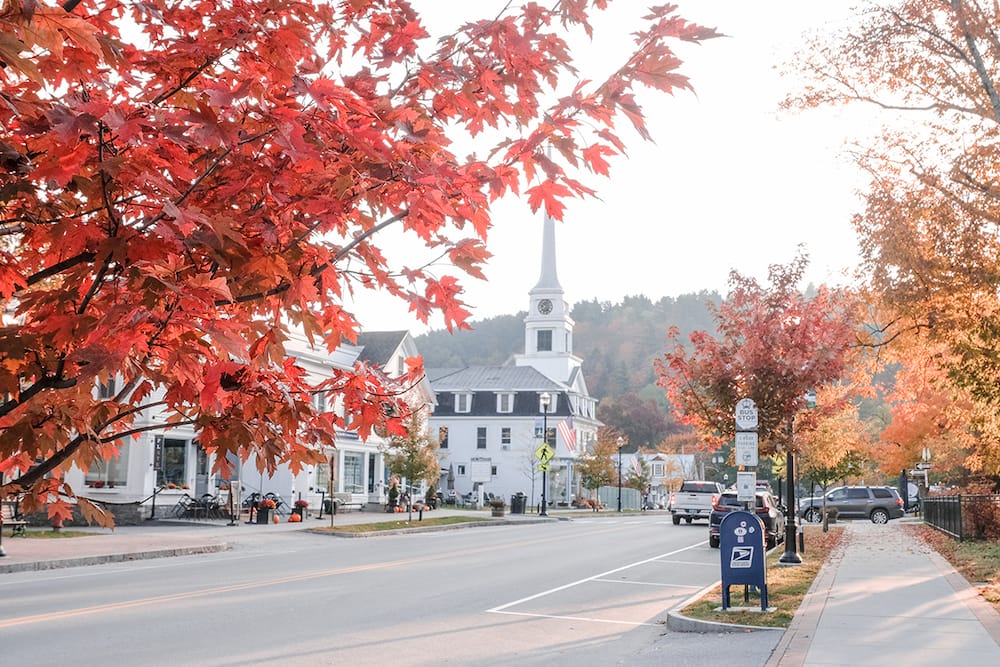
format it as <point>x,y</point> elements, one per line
<point>543,467</point>
<point>544,453</point>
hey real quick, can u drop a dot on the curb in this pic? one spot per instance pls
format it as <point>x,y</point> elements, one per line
<point>678,622</point>
<point>35,566</point>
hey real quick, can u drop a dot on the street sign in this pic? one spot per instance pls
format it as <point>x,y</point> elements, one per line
<point>923,466</point>
<point>746,486</point>
<point>746,415</point>
<point>543,467</point>
<point>746,448</point>
<point>544,453</point>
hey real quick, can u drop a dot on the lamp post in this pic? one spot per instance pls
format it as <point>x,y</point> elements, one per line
<point>791,556</point>
<point>621,441</point>
<point>545,398</point>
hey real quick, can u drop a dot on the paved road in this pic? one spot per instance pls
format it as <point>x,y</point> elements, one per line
<point>582,592</point>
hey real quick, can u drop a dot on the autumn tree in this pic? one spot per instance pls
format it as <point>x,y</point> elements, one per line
<point>596,467</point>
<point>413,455</point>
<point>928,411</point>
<point>773,345</point>
<point>929,229</point>
<point>181,186</point>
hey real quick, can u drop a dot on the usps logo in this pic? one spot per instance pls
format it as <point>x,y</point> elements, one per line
<point>741,558</point>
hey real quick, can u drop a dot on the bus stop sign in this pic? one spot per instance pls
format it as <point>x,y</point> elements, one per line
<point>741,548</point>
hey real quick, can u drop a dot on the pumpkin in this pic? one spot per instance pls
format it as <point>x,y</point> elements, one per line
<point>276,519</point>
<point>295,518</point>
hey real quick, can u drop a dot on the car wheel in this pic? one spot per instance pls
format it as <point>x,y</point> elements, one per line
<point>772,541</point>
<point>713,541</point>
<point>812,515</point>
<point>687,519</point>
<point>880,516</point>
<point>677,520</point>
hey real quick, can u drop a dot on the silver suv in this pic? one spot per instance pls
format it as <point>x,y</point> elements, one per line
<point>878,503</point>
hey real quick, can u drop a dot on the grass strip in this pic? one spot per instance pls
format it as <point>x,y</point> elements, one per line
<point>396,525</point>
<point>787,585</point>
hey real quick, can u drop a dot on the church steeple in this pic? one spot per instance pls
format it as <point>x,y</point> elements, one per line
<point>548,278</point>
<point>548,328</point>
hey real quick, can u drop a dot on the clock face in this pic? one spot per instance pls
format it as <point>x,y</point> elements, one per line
<point>545,306</point>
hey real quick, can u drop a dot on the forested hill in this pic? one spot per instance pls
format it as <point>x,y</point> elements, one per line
<point>617,342</point>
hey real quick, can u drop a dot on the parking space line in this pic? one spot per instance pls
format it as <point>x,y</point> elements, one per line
<point>645,583</point>
<point>572,618</point>
<point>587,579</point>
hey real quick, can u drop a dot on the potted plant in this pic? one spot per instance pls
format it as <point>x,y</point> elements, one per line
<point>299,507</point>
<point>497,506</point>
<point>265,511</point>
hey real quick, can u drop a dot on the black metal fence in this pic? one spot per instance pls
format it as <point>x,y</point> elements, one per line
<point>964,516</point>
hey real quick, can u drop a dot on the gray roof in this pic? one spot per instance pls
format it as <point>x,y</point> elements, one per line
<point>379,346</point>
<point>491,378</point>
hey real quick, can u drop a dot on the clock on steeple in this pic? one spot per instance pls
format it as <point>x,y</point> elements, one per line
<point>545,306</point>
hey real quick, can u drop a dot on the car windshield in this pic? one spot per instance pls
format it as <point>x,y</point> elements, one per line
<point>731,500</point>
<point>699,487</point>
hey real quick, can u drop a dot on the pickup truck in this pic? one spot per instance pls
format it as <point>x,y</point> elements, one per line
<point>694,500</point>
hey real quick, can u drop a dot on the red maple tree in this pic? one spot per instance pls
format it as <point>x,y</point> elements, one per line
<point>183,183</point>
<point>773,344</point>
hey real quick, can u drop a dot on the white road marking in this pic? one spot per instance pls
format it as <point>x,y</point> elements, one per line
<point>583,581</point>
<point>572,618</point>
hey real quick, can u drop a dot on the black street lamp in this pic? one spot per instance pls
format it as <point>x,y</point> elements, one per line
<point>546,398</point>
<point>791,556</point>
<point>621,441</point>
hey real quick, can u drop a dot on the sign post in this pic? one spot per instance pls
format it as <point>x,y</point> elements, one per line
<point>746,451</point>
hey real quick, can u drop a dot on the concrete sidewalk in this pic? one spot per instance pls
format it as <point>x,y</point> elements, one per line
<point>158,539</point>
<point>886,598</point>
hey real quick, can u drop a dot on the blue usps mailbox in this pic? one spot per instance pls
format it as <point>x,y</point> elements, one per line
<point>741,548</point>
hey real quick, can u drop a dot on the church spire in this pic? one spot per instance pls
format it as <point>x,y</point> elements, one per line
<point>548,278</point>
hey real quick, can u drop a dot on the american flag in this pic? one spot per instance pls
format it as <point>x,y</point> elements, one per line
<point>565,428</point>
<point>636,466</point>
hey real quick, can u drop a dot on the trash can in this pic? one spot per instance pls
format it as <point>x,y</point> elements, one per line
<point>517,503</point>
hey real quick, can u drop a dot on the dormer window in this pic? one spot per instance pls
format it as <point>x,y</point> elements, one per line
<point>505,402</point>
<point>463,402</point>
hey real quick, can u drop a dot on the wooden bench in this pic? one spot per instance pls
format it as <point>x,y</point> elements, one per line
<point>12,517</point>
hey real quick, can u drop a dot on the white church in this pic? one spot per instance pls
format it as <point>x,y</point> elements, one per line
<point>490,420</point>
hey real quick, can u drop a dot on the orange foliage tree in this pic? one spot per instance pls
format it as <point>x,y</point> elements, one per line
<point>183,183</point>
<point>929,228</point>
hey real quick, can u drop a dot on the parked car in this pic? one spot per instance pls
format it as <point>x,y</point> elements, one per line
<point>693,500</point>
<point>766,507</point>
<point>877,503</point>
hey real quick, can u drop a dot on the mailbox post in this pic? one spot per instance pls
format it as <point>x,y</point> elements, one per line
<point>742,550</point>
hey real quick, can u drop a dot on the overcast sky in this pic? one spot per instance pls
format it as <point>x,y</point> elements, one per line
<point>731,182</point>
